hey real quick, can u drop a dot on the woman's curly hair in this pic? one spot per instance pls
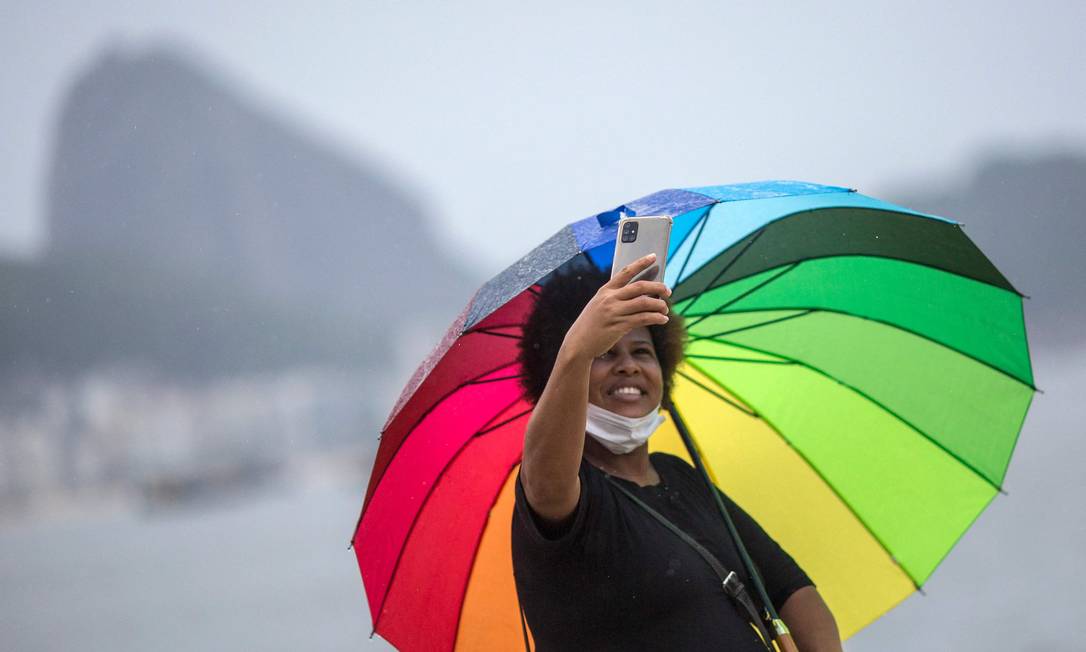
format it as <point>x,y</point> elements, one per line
<point>560,302</point>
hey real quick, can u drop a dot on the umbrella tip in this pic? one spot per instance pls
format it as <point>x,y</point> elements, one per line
<point>607,218</point>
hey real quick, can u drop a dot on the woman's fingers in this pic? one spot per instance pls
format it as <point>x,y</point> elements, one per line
<point>650,319</point>
<point>629,271</point>
<point>642,303</point>
<point>618,308</point>
<point>651,288</point>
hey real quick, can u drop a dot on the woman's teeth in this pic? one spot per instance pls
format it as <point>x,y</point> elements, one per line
<point>631,391</point>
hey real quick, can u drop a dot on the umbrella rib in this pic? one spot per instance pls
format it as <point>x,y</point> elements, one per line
<point>899,259</point>
<point>487,331</point>
<point>968,527</point>
<point>474,379</point>
<point>733,359</point>
<point>744,295</point>
<point>724,270</point>
<point>509,324</point>
<point>493,330</point>
<point>751,326</point>
<point>487,428</point>
<point>417,421</point>
<point>707,207</point>
<point>694,245</point>
<point>874,401</point>
<point>422,506</point>
<point>742,408</point>
<point>475,554</point>
<point>891,325</point>
<point>493,380</point>
<point>814,469</point>
<point>898,213</point>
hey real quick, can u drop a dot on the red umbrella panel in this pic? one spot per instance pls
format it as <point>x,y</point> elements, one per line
<point>467,428</point>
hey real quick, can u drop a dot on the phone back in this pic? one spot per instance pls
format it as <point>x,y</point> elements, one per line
<point>640,236</point>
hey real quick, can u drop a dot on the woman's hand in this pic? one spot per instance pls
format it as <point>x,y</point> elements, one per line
<point>617,309</point>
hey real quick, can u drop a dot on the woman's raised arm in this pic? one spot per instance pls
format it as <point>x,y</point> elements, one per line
<point>554,438</point>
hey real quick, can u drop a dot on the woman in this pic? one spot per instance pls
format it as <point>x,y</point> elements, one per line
<point>595,571</point>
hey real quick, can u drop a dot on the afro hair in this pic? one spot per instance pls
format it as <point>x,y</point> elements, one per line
<point>560,302</point>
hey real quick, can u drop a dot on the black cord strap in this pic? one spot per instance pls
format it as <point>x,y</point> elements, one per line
<point>524,626</point>
<point>728,579</point>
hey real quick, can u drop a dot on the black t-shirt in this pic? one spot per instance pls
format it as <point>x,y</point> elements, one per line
<point>617,579</point>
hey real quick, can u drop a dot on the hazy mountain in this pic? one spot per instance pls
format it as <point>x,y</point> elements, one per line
<point>1029,215</point>
<point>159,160</point>
<point>190,228</point>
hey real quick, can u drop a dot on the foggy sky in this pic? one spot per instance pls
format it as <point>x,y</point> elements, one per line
<point>511,121</point>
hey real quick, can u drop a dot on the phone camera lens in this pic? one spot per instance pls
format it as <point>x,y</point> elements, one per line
<point>629,232</point>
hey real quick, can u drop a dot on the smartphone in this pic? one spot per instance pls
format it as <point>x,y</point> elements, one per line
<point>641,236</point>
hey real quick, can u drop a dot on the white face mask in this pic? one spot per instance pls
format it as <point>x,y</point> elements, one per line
<point>618,433</point>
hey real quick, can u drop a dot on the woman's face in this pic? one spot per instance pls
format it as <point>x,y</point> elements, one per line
<point>627,380</point>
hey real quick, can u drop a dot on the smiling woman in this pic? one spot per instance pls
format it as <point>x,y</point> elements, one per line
<point>593,569</point>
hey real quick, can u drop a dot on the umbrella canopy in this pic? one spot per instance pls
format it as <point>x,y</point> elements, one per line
<point>856,377</point>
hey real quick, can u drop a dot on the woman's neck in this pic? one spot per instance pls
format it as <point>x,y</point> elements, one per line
<point>634,466</point>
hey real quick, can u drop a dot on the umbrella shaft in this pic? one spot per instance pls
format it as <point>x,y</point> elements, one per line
<point>785,640</point>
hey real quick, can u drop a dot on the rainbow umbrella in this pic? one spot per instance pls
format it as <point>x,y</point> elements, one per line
<point>856,377</point>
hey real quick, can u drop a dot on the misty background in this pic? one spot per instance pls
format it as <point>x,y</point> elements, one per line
<point>228,235</point>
